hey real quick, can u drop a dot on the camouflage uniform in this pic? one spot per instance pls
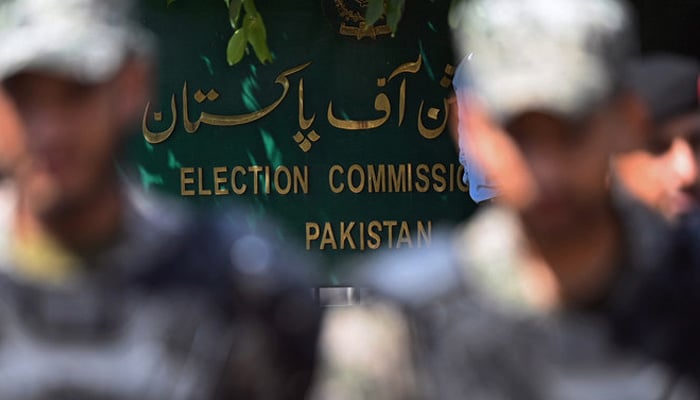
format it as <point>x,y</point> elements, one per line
<point>180,306</point>
<point>454,322</point>
<point>177,305</point>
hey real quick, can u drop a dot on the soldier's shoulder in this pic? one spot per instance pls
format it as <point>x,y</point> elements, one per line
<point>413,276</point>
<point>473,259</point>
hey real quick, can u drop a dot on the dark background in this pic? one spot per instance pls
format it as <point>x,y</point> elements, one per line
<point>669,25</point>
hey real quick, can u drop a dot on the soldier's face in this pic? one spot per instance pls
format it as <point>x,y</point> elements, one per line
<point>552,171</point>
<point>71,134</point>
<point>568,163</point>
<point>665,174</point>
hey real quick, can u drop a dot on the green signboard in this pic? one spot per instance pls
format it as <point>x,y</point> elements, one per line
<point>343,138</point>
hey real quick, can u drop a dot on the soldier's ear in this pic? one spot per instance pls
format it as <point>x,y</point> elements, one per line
<point>12,138</point>
<point>135,87</point>
<point>635,125</point>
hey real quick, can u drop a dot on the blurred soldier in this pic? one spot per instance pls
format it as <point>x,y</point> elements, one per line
<point>665,173</point>
<point>105,292</point>
<point>525,301</point>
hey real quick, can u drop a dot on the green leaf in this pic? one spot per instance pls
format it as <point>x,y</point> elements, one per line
<point>234,12</point>
<point>375,9</point>
<point>169,3</point>
<point>236,47</point>
<point>394,12</point>
<point>249,6</point>
<point>257,36</point>
<point>454,17</point>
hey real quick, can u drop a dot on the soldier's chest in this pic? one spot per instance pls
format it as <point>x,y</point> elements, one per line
<point>85,346</point>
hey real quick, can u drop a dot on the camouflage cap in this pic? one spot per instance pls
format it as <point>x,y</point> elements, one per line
<point>84,40</point>
<point>563,56</point>
<point>668,83</point>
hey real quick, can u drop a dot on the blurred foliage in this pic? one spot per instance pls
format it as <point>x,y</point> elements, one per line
<point>393,9</point>
<point>249,29</point>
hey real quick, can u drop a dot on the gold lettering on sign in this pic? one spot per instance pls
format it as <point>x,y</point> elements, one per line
<point>209,118</point>
<point>282,170</point>
<point>313,232</point>
<point>431,121</point>
<point>439,172</point>
<point>240,180</point>
<point>202,191</point>
<point>356,170</point>
<point>376,178</point>
<point>331,181</point>
<point>390,225</point>
<point>424,234</point>
<point>361,235</point>
<point>265,180</point>
<point>423,183</point>
<point>186,179</point>
<point>345,235</point>
<point>328,238</point>
<point>396,178</point>
<point>301,179</point>
<point>463,187</point>
<point>373,232</point>
<point>255,170</point>
<point>219,180</point>
<point>235,172</point>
